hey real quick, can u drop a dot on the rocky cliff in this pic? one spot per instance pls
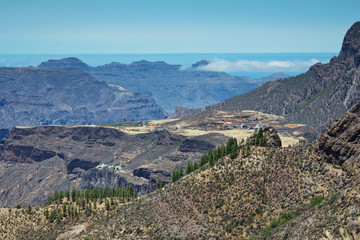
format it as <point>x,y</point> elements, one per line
<point>67,96</point>
<point>317,97</point>
<point>340,144</point>
<point>34,162</point>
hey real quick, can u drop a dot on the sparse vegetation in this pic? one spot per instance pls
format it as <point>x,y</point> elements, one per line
<point>92,194</point>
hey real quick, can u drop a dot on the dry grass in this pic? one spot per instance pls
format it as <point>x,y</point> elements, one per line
<point>286,141</point>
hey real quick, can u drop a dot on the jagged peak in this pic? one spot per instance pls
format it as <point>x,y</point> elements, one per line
<point>351,43</point>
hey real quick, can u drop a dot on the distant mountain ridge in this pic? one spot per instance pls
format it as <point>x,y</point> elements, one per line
<point>170,85</point>
<point>67,96</point>
<point>315,98</point>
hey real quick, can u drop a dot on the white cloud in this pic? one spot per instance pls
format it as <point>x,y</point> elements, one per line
<point>222,65</point>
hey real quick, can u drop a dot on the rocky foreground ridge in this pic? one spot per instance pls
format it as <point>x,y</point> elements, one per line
<point>67,96</point>
<point>317,97</point>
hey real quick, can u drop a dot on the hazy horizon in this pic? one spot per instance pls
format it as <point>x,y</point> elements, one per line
<point>253,65</point>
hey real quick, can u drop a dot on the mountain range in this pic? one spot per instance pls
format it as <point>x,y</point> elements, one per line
<point>317,97</point>
<point>67,96</point>
<point>170,85</point>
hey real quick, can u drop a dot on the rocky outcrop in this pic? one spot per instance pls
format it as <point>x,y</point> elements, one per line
<point>36,161</point>
<point>67,96</point>
<point>340,144</point>
<point>317,97</point>
<point>351,44</point>
<point>181,112</point>
<point>271,136</point>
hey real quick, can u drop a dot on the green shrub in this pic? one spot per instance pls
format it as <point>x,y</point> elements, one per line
<point>316,200</point>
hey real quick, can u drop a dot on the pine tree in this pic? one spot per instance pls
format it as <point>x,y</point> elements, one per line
<point>210,156</point>
<point>181,173</point>
<point>211,161</point>
<point>107,205</point>
<point>188,169</point>
<point>223,150</point>
<point>203,160</point>
<point>218,153</point>
<point>60,196</point>
<point>67,194</point>
<point>64,208</point>
<point>247,149</point>
<point>28,209</point>
<point>46,213</point>
<point>73,195</point>
<point>52,215</point>
<point>58,218</point>
<point>196,166</point>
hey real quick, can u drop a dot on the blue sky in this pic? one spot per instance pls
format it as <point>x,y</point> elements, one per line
<point>174,26</point>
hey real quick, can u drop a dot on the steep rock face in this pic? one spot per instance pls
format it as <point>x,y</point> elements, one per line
<point>351,44</point>
<point>67,96</point>
<point>340,144</point>
<point>34,162</point>
<point>317,97</point>
<point>272,137</point>
<point>170,85</point>
<point>181,112</point>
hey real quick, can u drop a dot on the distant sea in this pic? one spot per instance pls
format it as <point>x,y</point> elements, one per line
<point>185,59</point>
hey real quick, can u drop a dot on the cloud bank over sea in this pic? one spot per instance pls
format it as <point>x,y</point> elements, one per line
<point>223,65</point>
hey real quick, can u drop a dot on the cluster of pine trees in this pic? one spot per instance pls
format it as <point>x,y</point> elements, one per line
<point>212,156</point>
<point>258,139</point>
<point>122,193</point>
<point>79,202</point>
<point>177,174</point>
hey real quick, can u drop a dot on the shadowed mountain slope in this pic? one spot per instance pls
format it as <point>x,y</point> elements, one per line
<point>67,96</point>
<point>315,98</point>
